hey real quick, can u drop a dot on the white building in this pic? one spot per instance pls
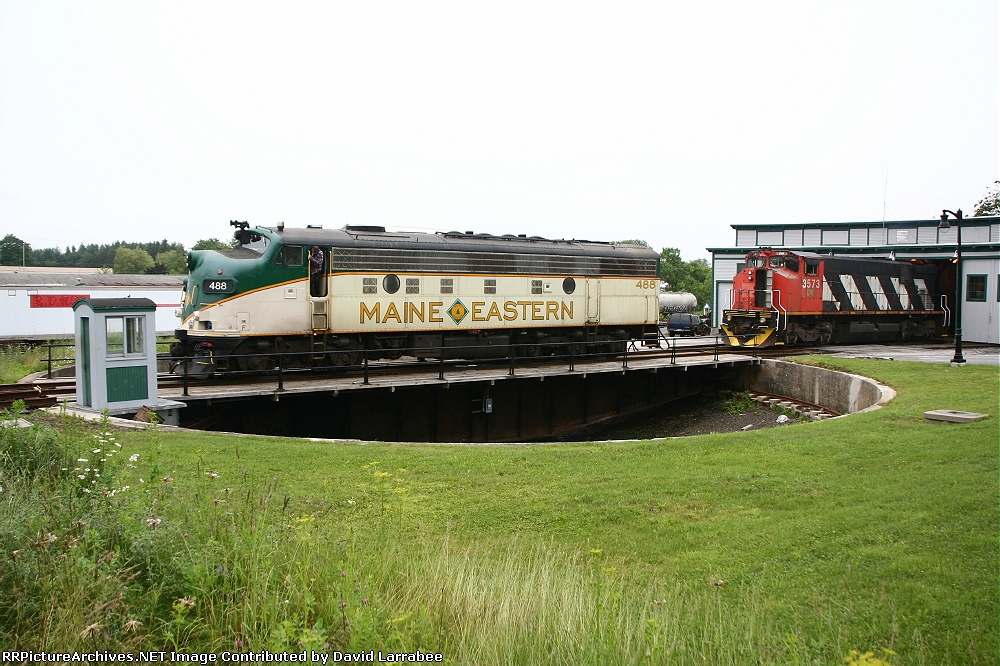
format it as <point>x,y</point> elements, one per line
<point>915,239</point>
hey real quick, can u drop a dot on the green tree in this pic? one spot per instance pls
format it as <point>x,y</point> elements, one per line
<point>693,276</point>
<point>11,248</point>
<point>175,262</point>
<point>633,241</point>
<point>989,204</point>
<point>213,244</point>
<point>132,262</point>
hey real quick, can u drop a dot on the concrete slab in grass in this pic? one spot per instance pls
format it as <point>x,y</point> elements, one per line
<point>953,416</point>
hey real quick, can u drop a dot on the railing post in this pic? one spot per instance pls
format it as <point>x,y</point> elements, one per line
<point>673,352</point>
<point>185,362</point>
<point>281,379</point>
<point>510,358</point>
<point>366,365</point>
<point>717,348</point>
<point>49,375</point>
<point>441,361</point>
<point>571,359</point>
<point>625,358</point>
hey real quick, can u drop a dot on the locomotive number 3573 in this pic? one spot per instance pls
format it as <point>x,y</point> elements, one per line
<point>810,283</point>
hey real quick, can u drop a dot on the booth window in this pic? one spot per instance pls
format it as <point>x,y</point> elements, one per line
<point>125,335</point>
<point>975,288</point>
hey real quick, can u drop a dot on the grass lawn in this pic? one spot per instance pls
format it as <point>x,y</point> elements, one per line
<point>790,545</point>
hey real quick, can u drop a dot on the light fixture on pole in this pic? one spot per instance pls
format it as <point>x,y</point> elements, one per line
<point>958,358</point>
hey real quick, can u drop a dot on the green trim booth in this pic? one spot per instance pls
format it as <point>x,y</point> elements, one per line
<point>116,358</point>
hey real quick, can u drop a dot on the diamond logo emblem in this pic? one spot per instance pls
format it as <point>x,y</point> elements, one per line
<point>457,311</point>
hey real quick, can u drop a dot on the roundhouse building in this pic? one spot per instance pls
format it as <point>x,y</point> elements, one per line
<point>899,240</point>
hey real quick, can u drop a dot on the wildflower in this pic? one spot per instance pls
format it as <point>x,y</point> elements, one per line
<point>141,480</point>
<point>86,490</point>
<point>78,523</point>
<point>185,535</point>
<point>86,469</point>
<point>238,644</point>
<point>211,475</point>
<point>167,479</point>
<point>365,601</point>
<point>96,451</point>
<point>219,501</point>
<point>220,568</point>
<point>82,460</point>
<point>15,553</point>
<point>153,522</point>
<point>343,604</point>
<point>133,457</point>
<point>90,630</point>
<point>343,574</point>
<point>71,542</point>
<point>350,501</point>
<point>132,625</point>
<point>227,490</point>
<point>186,602</point>
<point>81,476</point>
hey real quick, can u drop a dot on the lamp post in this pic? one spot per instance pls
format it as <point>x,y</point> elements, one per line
<point>958,358</point>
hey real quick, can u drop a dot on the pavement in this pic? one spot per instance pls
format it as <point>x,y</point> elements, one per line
<point>975,354</point>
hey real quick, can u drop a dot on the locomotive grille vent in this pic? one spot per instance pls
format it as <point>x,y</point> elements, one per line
<point>413,261</point>
<point>447,285</point>
<point>413,285</point>
<point>489,286</point>
<point>536,286</point>
<point>369,285</point>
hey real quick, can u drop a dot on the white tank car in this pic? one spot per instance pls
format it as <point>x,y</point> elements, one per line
<point>677,301</point>
<point>38,304</point>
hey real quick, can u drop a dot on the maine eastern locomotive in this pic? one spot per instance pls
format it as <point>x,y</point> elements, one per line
<point>785,297</point>
<point>327,296</point>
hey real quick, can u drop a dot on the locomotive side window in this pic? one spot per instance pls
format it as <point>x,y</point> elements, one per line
<point>391,284</point>
<point>293,255</point>
<point>413,285</point>
<point>812,269</point>
<point>369,285</point>
<point>536,286</point>
<point>792,264</point>
<point>490,286</point>
<point>447,285</point>
<point>569,285</point>
<point>775,262</point>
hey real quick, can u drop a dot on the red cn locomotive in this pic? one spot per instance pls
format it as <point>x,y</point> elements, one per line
<point>785,297</point>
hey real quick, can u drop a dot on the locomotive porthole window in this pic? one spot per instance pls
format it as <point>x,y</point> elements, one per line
<point>369,285</point>
<point>489,286</point>
<point>569,285</point>
<point>536,286</point>
<point>391,284</point>
<point>413,285</point>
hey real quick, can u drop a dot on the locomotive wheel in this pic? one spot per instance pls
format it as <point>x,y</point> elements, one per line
<point>256,363</point>
<point>528,351</point>
<point>345,358</point>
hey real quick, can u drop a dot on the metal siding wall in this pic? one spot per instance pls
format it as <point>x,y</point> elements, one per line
<point>127,383</point>
<point>812,237</point>
<point>793,237</point>
<point>859,236</point>
<point>876,236</point>
<point>926,235</point>
<point>771,238</point>
<point>725,269</point>
<point>995,233</point>
<point>975,235</point>
<point>746,238</point>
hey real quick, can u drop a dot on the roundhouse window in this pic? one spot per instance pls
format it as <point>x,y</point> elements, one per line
<point>569,285</point>
<point>391,284</point>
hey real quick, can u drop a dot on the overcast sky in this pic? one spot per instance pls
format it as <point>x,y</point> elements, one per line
<point>665,121</point>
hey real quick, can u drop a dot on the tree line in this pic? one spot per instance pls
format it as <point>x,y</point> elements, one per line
<point>156,257</point>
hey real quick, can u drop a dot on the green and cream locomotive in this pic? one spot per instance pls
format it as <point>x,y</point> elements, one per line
<point>325,295</point>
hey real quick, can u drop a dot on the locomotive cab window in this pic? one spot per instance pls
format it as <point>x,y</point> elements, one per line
<point>792,264</point>
<point>289,255</point>
<point>811,268</point>
<point>775,262</point>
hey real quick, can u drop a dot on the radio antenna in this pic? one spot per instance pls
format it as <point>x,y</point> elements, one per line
<point>884,192</point>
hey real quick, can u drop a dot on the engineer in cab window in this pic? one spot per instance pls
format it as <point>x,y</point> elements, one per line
<point>316,286</point>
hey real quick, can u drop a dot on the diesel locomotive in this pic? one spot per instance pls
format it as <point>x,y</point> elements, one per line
<point>784,297</point>
<point>330,295</point>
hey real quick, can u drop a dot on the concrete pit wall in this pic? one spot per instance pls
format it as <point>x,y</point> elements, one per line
<point>840,391</point>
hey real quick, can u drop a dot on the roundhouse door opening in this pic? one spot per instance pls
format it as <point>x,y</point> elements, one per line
<point>319,278</point>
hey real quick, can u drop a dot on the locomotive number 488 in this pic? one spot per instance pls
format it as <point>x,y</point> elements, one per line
<point>648,284</point>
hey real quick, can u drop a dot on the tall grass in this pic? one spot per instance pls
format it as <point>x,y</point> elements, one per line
<point>104,548</point>
<point>17,361</point>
